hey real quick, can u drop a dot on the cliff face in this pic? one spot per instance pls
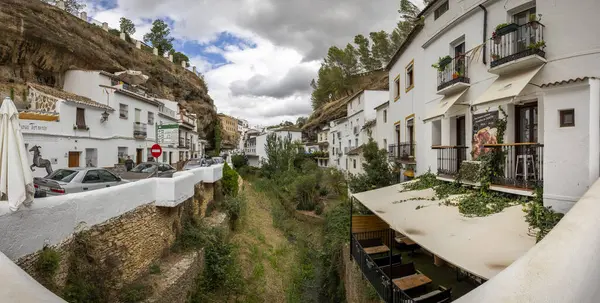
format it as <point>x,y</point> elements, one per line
<point>39,42</point>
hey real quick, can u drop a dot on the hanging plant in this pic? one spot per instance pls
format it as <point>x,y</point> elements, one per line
<point>534,21</point>
<point>442,63</point>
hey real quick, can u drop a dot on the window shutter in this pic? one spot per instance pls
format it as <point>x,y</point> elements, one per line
<point>80,119</point>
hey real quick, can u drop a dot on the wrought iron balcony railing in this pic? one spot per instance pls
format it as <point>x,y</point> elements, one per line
<point>449,159</point>
<point>519,42</point>
<point>403,152</point>
<point>518,164</point>
<point>140,130</point>
<point>457,71</point>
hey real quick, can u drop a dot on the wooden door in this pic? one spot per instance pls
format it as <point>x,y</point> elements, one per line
<point>138,156</point>
<point>73,159</point>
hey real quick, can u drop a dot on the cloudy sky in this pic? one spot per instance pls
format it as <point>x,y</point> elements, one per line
<point>257,56</point>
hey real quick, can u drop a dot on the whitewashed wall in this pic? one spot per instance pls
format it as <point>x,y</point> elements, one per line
<point>52,220</point>
<point>384,128</point>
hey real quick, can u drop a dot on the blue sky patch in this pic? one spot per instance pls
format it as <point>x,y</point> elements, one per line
<point>193,48</point>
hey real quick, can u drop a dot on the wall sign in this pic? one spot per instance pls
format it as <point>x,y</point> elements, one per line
<point>167,134</point>
<point>484,131</point>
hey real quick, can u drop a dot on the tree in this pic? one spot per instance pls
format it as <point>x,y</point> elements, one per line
<point>301,121</point>
<point>217,138</point>
<point>377,170</point>
<point>383,49</point>
<point>127,26</point>
<point>179,57</point>
<point>159,37</point>
<point>281,153</point>
<point>71,6</point>
<point>367,62</point>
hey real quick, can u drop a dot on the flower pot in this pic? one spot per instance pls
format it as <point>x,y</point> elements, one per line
<point>507,29</point>
<point>534,25</point>
<point>445,61</point>
<point>454,76</point>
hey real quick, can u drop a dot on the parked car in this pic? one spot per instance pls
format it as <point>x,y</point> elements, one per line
<point>196,163</point>
<point>218,160</point>
<point>74,180</point>
<point>149,170</point>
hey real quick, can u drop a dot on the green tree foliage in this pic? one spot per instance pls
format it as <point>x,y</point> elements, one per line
<point>217,138</point>
<point>301,121</point>
<point>377,170</point>
<point>159,37</point>
<point>281,153</point>
<point>335,78</point>
<point>367,61</point>
<point>239,161</point>
<point>127,26</point>
<point>178,57</point>
<point>71,6</point>
<point>383,48</point>
<point>230,181</point>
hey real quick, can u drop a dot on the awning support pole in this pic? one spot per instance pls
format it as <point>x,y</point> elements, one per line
<point>351,244</point>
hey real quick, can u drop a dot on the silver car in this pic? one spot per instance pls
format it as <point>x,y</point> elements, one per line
<point>196,163</point>
<point>75,180</point>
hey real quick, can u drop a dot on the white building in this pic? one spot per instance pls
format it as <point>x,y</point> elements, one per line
<point>542,73</point>
<point>177,133</point>
<point>255,144</point>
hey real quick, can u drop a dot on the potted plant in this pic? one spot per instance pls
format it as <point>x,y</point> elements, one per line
<point>534,21</point>
<point>495,57</point>
<point>497,38</point>
<point>505,28</point>
<point>538,45</point>
<point>442,63</point>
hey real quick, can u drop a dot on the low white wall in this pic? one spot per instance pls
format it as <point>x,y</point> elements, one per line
<point>52,220</point>
<point>563,267</point>
<point>18,286</point>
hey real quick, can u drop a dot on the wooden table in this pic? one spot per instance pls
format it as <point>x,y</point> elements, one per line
<point>376,249</point>
<point>412,281</point>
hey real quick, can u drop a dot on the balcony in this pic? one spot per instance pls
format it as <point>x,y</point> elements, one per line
<point>167,112</point>
<point>183,143</point>
<point>403,152</point>
<point>449,160</point>
<point>521,48</point>
<point>520,165</point>
<point>454,77</point>
<point>140,130</point>
<point>185,119</point>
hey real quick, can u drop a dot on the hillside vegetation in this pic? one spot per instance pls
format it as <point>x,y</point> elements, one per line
<point>39,42</point>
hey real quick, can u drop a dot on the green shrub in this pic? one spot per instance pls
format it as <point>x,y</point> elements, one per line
<point>135,293</point>
<point>323,191</point>
<point>230,181</point>
<point>234,207</point>
<point>154,269</point>
<point>319,208</point>
<point>239,161</point>
<point>306,192</point>
<point>48,261</point>
<point>539,217</point>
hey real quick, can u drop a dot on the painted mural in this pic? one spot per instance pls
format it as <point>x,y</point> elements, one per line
<point>484,132</point>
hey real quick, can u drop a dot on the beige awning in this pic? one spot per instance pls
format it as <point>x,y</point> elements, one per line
<point>483,246</point>
<point>445,104</point>
<point>507,86</point>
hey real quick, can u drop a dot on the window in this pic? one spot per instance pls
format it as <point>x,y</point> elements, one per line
<point>385,116</point>
<point>384,143</point>
<point>106,176</point>
<point>150,118</point>
<point>123,111</point>
<point>356,142</point>
<point>80,118</point>
<point>567,117</point>
<point>397,88</point>
<point>91,176</point>
<point>410,80</point>
<point>440,10</point>
<point>354,163</point>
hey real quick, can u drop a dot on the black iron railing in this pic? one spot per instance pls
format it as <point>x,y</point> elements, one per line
<point>449,159</point>
<point>519,164</point>
<point>522,41</point>
<point>403,152</point>
<point>140,130</point>
<point>456,71</point>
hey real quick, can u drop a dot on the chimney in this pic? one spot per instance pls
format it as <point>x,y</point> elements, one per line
<point>123,36</point>
<point>155,51</point>
<point>105,26</point>
<point>83,16</point>
<point>170,57</point>
<point>138,44</point>
<point>194,69</point>
<point>183,64</point>
<point>60,4</point>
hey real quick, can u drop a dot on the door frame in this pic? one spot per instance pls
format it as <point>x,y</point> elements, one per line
<point>517,124</point>
<point>139,155</point>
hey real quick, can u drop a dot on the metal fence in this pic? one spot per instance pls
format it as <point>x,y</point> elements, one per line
<point>450,158</point>
<point>519,164</point>
<point>456,71</point>
<point>515,42</point>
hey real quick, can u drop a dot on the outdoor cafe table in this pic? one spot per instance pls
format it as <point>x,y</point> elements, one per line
<point>376,249</point>
<point>412,281</point>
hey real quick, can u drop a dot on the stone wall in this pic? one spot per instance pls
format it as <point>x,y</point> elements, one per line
<point>126,246</point>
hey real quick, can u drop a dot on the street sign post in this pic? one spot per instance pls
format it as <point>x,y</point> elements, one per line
<point>156,151</point>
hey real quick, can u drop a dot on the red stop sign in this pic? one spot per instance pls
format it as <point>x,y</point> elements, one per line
<point>156,150</point>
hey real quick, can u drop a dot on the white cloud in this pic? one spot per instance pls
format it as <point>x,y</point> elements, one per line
<point>268,83</point>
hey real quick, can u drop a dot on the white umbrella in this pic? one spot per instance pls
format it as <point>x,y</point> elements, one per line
<point>15,175</point>
<point>132,77</point>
